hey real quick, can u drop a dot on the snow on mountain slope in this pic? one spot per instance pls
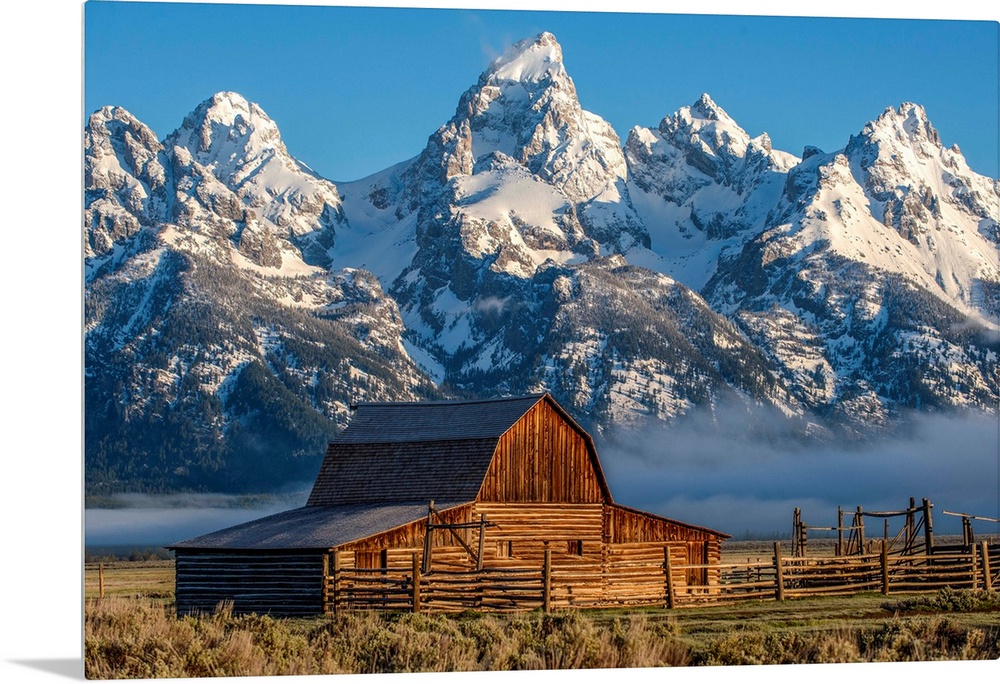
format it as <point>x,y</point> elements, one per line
<point>376,234</point>
<point>929,196</point>
<point>702,187</point>
<point>215,355</point>
<point>236,304</point>
<point>897,202</point>
<point>521,129</point>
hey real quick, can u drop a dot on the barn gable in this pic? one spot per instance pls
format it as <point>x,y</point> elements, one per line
<point>545,457</point>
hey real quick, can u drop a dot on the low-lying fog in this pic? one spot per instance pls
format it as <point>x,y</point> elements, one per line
<point>704,475</point>
<point>158,520</point>
<point>750,487</point>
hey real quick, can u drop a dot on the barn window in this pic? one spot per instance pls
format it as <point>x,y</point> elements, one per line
<point>371,560</point>
<point>505,548</point>
<point>575,547</point>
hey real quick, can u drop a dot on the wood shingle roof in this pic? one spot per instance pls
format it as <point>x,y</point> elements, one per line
<point>311,527</point>
<point>418,451</point>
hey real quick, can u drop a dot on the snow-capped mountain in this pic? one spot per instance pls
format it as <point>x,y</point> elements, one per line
<point>502,220</point>
<point>125,181</point>
<point>236,303</point>
<point>215,355</point>
<point>875,275</point>
<point>275,200</point>
<point>521,173</point>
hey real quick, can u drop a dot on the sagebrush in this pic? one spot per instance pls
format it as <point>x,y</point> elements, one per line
<point>137,637</point>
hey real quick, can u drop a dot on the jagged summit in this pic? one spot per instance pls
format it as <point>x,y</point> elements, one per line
<point>525,107</point>
<point>706,108</point>
<point>530,60</point>
<point>124,179</point>
<point>226,132</point>
<point>909,120</point>
<point>708,132</point>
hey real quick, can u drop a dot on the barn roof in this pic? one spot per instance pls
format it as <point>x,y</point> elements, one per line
<point>434,421</point>
<point>312,527</point>
<point>402,471</point>
<point>412,451</point>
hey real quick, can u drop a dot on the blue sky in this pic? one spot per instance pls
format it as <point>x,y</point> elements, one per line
<point>355,90</point>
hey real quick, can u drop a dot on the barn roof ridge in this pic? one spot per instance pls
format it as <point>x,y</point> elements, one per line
<point>455,402</point>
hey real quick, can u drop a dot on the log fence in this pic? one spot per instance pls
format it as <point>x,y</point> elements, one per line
<point>781,578</point>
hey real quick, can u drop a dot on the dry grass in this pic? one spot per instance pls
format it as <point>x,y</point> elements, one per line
<point>139,638</point>
<point>133,633</point>
<point>149,578</point>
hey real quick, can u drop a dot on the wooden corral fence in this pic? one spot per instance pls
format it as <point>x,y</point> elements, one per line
<point>915,535</point>
<point>647,582</point>
<point>786,577</point>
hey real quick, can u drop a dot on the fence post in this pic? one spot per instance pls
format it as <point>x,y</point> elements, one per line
<point>840,532</point>
<point>547,580</point>
<point>928,529</point>
<point>859,521</point>
<point>671,601</point>
<point>973,564</point>
<point>336,582</point>
<point>416,584</point>
<point>100,580</point>
<point>326,583</point>
<point>796,532</point>
<point>885,567</point>
<point>428,530</point>
<point>779,579</point>
<point>909,526</point>
<point>987,576</point>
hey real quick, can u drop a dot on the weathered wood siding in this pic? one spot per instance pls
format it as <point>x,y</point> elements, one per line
<point>527,527</point>
<point>400,543</point>
<point>627,525</point>
<point>542,458</point>
<point>636,539</point>
<point>285,583</point>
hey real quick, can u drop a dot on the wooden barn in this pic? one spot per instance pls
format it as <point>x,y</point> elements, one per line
<point>449,505</point>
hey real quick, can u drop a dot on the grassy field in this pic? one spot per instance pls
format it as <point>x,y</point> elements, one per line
<point>133,633</point>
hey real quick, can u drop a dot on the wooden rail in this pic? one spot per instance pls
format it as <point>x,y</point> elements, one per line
<point>649,583</point>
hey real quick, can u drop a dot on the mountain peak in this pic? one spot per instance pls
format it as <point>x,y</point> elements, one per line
<point>230,108</point>
<point>706,128</point>
<point>225,127</point>
<point>707,109</point>
<point>530,60</point>
<point>908,122</point>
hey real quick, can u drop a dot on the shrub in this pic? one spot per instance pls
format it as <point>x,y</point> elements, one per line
<point>947,600</point>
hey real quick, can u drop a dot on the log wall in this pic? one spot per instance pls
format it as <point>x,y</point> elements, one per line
<point>276,583</point>
<point>573,535</point>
